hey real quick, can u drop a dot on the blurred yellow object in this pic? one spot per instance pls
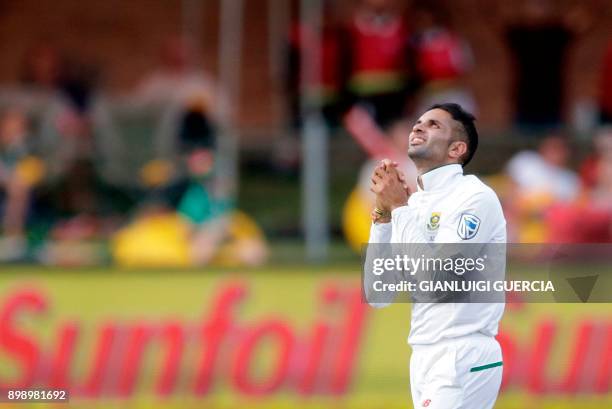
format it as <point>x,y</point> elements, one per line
<point>30,170</point>
<point>164,240</point>
<point>531,209</point>
<point>500,183</point>
<point>245,244</point>
<point>356,220</point>
<point>156,173</point>
<point>160,240</point>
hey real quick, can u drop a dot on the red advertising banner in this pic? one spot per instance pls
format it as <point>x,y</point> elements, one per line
<point>283,350</point>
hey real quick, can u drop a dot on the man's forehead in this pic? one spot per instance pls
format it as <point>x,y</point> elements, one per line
<point>437,114</point>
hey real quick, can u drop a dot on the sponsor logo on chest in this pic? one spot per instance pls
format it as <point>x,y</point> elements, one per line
<point>433,224</point>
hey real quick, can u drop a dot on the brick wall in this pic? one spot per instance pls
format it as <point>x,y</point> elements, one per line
<point>123,38</point>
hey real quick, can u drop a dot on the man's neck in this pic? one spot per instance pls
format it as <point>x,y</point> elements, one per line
<point>423,168</point>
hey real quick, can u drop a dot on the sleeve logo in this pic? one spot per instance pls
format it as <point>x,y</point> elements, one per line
<point>468,226</point>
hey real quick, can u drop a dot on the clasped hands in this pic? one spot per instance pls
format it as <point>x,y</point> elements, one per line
<point>392,191</point>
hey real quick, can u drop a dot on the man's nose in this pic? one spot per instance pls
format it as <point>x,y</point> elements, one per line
<point>417,128</point>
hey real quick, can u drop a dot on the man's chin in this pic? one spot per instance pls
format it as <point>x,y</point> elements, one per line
<point>416,153</point>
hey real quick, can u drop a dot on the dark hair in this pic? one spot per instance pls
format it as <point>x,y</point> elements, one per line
<point>196,132</point>
<point>467,122</point>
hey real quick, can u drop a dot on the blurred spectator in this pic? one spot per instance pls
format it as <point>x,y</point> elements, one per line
<point>590,174</point>
<point>196,143</point>
<point>19,172</point>
<point>65,88</point>
<point>540,179</point>
<point>379,59</point>
<point>37,88</point>
<point>217,233</point>
<point>55,94</point>
<point>323,90</point>
<point>588,220</point>
<point>83,210</point>
<point>179,90</point>
<point>538,34</point>
<point>79,83</point>
<point>601,193</point>
<point>197,227</point>
<point>545,171</point>
<point>176,79</point>
<point>199,203</point>
<point>45,68</point>
<point>193,214</point>
<point>443,58</point>
<point>605,90</point>
<point>75,204</point>
<point>73,151</point>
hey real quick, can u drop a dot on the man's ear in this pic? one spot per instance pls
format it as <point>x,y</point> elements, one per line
<point>457,150</point>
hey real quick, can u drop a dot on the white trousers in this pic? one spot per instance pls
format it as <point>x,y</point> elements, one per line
<point>458,373</point>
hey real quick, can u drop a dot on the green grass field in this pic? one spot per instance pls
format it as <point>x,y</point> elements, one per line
<point>289,292</point>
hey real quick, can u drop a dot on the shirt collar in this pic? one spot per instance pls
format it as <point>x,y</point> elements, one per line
<point>439,177</point>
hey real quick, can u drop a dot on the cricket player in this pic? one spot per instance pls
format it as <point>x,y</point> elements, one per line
<point>456,362</point>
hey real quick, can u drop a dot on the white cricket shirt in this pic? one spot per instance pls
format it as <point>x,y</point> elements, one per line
<point>450,208</point>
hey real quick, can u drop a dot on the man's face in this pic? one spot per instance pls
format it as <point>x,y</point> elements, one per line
<point>555,151</point>
<point>200,162</point>
<point>13,128</point>
<point>431,137</point>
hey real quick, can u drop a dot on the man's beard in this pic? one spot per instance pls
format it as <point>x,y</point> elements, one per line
<point>417,154</point>
<point>423,157</point>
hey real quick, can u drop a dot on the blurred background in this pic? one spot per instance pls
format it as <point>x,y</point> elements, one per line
<point>162,162</point>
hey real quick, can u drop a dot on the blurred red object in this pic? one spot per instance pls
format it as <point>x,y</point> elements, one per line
<point>576,223</point>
